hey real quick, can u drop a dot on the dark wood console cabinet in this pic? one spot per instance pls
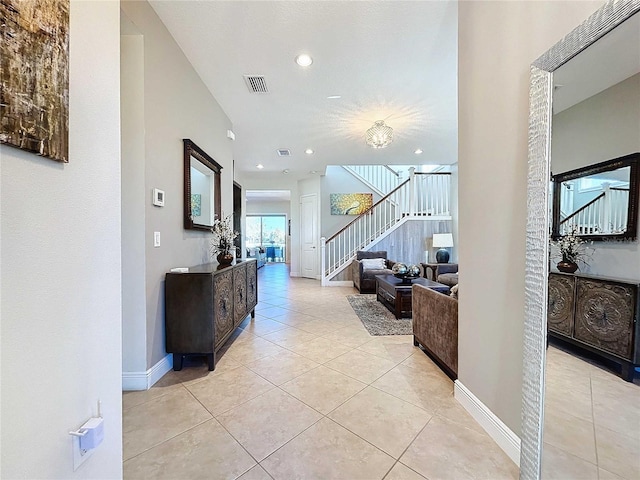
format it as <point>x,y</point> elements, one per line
<point>597,314</point>
<point>204,306</point>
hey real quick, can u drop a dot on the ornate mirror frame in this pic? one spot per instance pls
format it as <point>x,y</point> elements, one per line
<point>192,151</point>
<point>612,14</point>
<point>631,161</point>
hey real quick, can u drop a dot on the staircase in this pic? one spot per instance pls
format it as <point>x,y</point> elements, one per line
<point>379,178</point>
<point>422,196</point>
<point>607,213</point>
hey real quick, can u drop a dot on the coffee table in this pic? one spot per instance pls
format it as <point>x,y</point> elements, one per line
<point>396,295</point>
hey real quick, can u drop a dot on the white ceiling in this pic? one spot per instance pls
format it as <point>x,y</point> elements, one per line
<point>607,62</point>
<point>395,61</point>
<point>261,196</point>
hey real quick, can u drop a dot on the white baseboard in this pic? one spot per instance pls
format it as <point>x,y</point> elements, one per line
<point>145,380</point>
<point>339,283</point>
<point>501,434</point>
<point>294,274</point>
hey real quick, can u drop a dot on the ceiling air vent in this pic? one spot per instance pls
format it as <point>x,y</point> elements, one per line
<point>256,83</point>
<point>284,152</point>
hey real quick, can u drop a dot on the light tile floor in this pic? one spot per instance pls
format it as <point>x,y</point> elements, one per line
<point>303,391</point>
<point>592,421</point>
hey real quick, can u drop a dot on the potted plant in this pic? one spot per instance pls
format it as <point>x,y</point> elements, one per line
<point>222,239</point>
<point>572,249</point>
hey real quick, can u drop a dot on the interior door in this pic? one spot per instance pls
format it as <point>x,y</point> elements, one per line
<point>309,235</point>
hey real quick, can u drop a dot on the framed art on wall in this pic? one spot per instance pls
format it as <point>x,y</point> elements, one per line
<point>34,74</point>
<point>350,203</point>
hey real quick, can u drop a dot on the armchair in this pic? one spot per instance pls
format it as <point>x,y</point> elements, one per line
<point>435,326</point>
<point>365,279</point>
<point>446,273</point>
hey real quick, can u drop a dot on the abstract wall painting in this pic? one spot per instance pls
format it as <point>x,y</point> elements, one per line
<point>196,204</point>
<point>34,76</point>
<point>350,203</point>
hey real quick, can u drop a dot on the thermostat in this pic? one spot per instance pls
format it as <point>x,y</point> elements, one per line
<point>158,197</point>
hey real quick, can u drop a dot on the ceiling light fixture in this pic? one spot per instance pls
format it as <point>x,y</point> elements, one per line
<point>308,151</point>
<point>379,135</point>
<point>418,151</point>
<point>285,171</point>
<point>334,97</point>
<point>260,166</point>
<point>304,60</point>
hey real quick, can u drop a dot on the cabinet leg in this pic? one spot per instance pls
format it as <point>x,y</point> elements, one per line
<point>177,361</point>
<point>253,313</point>
<point>415,342</point>
<point>627,372</point>
<point>211,360</point>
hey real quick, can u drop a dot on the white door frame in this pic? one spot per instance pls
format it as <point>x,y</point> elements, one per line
<point>309,239</point>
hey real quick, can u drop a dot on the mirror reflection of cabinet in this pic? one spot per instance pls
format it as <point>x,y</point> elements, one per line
<point>201,188</point>
<point>597,315</point>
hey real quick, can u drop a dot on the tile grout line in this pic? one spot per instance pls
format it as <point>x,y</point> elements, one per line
<point>407,448</point>
<point>226,430</point>
<point>178,434</point>
<point>593,421</point>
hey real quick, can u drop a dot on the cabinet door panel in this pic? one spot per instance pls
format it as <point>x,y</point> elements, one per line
<point>223,305</point>
<point>604,315</point>
<point>561,304</point>
<point>240,293</point>
<point>252,285</point>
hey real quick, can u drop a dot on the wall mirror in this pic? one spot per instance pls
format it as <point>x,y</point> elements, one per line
<point>201,188</point>
<point>597,202</point>
<point>566,81</point>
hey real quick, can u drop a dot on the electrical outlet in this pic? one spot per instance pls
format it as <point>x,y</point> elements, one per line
<point>156,239</point>
<point>79,455</point>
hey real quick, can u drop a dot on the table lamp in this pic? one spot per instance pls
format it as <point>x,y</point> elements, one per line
<point>442,241</point>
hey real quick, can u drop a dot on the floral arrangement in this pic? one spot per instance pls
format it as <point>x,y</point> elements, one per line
<point>223,236</point>
<point>572,247</point>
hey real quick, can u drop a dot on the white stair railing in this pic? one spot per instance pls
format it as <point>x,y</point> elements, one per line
<point>432,194</point>
<point>380,178</point>
<point>424,196</point>
<point>607,213</point>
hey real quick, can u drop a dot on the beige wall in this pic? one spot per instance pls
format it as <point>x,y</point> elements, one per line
<point>134,197</point>
<point>600,128</point>
<point>61,318</point>
<point>177,105</point>
<point>497,43</point>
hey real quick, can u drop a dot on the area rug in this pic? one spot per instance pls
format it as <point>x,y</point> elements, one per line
<point>376,318</point>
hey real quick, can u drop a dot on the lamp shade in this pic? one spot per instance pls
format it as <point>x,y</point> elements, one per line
<point>442,240</point>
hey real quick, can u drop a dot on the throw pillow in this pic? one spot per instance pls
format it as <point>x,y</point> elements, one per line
<point>373,264</point>
<point>454,292</point>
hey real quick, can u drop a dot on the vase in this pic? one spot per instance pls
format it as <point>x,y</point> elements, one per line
<point>224,258</point>
<point>567,266</point>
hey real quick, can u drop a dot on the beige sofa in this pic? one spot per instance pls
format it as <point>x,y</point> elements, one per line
<point>435,327</point>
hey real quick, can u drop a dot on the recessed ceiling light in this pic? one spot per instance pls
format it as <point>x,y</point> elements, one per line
<point>260,166</point>
<point>333,97</point>
<point>304,60</point>
<point>313,172</point>
<point>418,151</point>
<point>308,151</point>
<point>285,171</point>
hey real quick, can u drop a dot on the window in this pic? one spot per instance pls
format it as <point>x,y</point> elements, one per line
<point>269,232</point>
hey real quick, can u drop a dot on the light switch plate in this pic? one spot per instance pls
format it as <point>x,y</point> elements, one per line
<point>156,239</point>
